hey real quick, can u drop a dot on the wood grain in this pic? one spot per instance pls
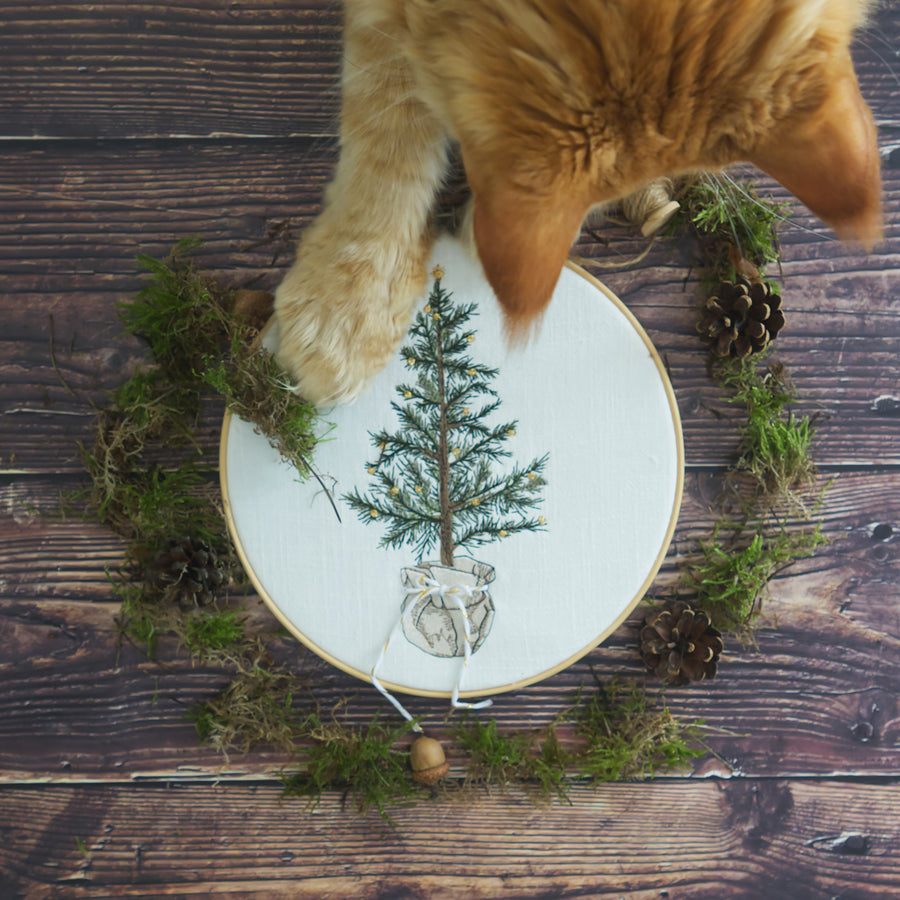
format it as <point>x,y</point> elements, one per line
<point>819,695</point>
<point>130,125</point>
<point>79,218</point>
<point>783,840</point>
<point>202,68</point>
<point>199,68</point>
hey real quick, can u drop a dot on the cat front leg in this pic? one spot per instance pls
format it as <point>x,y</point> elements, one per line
<point>346,303</point>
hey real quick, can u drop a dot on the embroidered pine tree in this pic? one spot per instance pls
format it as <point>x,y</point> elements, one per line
<point>435,483</point>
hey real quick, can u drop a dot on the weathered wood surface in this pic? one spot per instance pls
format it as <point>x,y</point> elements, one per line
<point>217,120</point>
<point>819,696</point>
<point>745,839</point>
<point>200,69</point>
<point>206,68</point>
<point>78,216</point>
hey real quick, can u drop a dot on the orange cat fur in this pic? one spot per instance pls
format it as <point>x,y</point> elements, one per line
<point>556,105</point>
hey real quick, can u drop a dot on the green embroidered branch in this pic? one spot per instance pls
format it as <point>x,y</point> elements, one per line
<point>434,479</point>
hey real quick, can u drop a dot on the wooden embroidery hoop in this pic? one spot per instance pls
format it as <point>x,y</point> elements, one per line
<point>248,513</point>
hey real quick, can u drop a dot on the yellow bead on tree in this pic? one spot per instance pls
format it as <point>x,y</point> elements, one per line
<point>410,361</point>
<point>470,338</point>
<point>395,491</point>
<point>437,273</point>
<point>371,470</point>
<point>502,532</point>
<point>407,395</point>
<point>373,513</point>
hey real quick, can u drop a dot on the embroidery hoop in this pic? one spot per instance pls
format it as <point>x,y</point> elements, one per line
<point>271,516</point>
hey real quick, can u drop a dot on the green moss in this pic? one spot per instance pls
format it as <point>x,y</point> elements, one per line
<point>627,737</point>
<point>733,224</point>
<point>775,445</point>
<point>730,576</point>
<point>181,313</point>
<point>187,319</point>
<point>257,389</point>
<point>209,632</point>
<point>534,760</point>
<point>142,622</point>
<point>362,763</point>
<point>144,413</point>
<point>256,709</point>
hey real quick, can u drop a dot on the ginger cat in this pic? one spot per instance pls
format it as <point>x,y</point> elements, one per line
<point>556,105</point>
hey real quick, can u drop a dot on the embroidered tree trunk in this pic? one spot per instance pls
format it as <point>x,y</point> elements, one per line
<point>446,508</point>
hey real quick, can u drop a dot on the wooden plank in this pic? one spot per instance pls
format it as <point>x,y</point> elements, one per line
<point>787,840</point>
<point>81,709</point>
<point>819,695</point>
<point>76,218</point>
<point>199,68</point>
<point>860,515</point>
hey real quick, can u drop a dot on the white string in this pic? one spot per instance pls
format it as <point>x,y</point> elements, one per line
<point>467,652</point>
<point>429,587</point>
<point>383,690</point>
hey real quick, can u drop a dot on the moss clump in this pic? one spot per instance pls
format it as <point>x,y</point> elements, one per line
<point>150,480</point>
<point>198,340</point>
<point>183,314</point>
<point>735,227</point>
<point>620,734</point>
<point>214,632</point>
<point>730,576</point>
<point>775,445</point>
<point>364,764</point>
<point>256,389</point>
<point>257,708</point>
<point>128,494</point>
<point>534,760</point>
<point>627,737</point>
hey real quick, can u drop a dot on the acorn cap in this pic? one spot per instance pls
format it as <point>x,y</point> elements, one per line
<point>426,756</point>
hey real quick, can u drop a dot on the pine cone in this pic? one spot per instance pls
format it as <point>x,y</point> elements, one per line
<point>742,318</point>
<point>679,644</point>
<point>186,572</point>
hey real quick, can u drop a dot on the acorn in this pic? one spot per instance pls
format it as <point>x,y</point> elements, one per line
<point>426,756</point>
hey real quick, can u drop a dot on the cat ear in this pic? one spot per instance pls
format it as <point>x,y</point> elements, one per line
<point>523,239</point>
<point>830,162</point>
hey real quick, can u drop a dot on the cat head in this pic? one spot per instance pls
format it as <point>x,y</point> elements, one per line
<point>587,102</point>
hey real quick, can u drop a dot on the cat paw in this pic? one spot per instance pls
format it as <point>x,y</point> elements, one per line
<point>342,310</point>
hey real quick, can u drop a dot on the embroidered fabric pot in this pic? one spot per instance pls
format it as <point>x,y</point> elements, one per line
<point>441,601</point>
